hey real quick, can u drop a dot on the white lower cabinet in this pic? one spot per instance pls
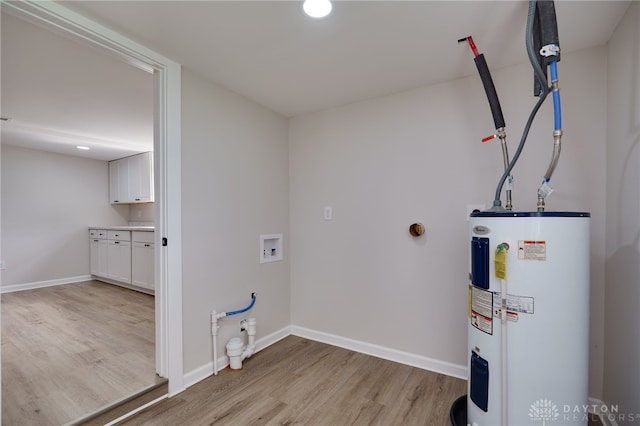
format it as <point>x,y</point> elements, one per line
<point>142,259</point>
<point>125,257</point>
<point>98,255</point>
<point>119,260</point>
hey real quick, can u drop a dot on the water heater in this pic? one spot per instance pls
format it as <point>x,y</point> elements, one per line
<point>528,312</point>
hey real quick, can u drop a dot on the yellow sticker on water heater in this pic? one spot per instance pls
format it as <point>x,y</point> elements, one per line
<point>532,250</point>
<point>500,263</point>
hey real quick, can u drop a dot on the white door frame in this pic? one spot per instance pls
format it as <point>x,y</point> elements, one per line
<point>167,121</point>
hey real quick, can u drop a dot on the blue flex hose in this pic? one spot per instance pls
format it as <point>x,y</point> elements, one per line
<point>557,131</point>
<point>557,110</point>
<point>253,301</point>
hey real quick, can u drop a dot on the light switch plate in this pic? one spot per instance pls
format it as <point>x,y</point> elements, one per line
<point>328,213</point>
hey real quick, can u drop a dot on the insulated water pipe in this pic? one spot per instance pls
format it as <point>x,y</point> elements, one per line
<point>494,105</point>
<point>215,317</point>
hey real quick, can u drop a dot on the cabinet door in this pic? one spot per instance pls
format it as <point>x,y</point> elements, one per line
<point>142,256</point>
<point>119,260</point>
<point>114,187</point>
<point>119,181</point>
<point>141,177</point>
<point>131,179</point>
<point>98,256</point>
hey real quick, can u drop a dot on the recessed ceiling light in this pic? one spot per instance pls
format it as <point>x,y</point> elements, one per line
<point>85,148</point>
<point>317,8</point>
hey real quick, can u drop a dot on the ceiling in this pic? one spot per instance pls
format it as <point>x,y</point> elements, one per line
<point>270,52</point>
<point>59,94</point>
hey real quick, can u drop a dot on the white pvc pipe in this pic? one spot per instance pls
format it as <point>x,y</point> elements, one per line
<point>214,332</point>
<point>235,351</point>
<point>215,316</point>
<point>503,347</point>
<point>250,326</point>
<point>215,355</point>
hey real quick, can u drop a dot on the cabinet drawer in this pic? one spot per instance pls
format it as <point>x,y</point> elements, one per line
<point>98,233</point>
<point>119,235</point>
<point>143,236</point>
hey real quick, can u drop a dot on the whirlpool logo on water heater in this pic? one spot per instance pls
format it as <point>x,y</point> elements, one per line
<point>480,230</point>
<point>544,410</point>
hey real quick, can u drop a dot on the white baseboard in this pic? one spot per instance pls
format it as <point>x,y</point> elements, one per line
<point>42,284</point>
<point>442,367</point>
<point>406,358</point>
<point>201,373</point>
<point>438,366</point>
<point>125,285</point>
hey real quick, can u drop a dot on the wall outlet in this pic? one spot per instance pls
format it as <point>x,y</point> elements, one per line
<point>473,207</point>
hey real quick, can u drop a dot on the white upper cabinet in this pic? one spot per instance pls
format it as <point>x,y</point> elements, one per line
<point>119,181</point>
<point>131,179</point>
<point>141,178</point>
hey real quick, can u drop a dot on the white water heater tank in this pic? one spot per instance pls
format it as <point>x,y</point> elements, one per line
<point>545,351</point>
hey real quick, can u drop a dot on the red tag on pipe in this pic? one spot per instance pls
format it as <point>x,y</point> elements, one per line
<point>473,47</point>
<point>488,138</point>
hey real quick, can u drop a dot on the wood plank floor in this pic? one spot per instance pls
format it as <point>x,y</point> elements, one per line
<point>72,349</point>
<point>303,382</point>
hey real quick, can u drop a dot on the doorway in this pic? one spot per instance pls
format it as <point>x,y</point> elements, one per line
<point>168,300</point>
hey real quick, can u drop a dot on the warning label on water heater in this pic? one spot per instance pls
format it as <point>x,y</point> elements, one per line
<point>515,304</point>
<point>482,309</point>
<point>532,250</point>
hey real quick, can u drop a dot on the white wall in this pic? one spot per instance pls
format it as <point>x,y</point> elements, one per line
<point>622,339</point>
<point>142,213</point>
<point>234,188</point>
<point>48,202</point>
<point>416,156</point>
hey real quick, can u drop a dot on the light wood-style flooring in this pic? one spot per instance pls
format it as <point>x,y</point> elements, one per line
<point>70,350</point>
<point>303,382</point>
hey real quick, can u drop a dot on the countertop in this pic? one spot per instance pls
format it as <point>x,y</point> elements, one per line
<point>125,228</point>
